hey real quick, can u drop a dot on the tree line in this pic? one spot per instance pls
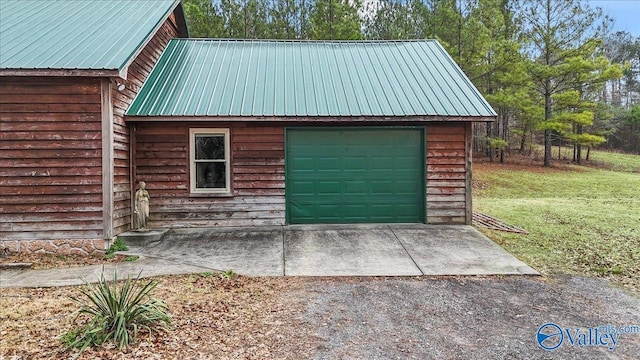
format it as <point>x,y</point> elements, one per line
<point>553,70</point>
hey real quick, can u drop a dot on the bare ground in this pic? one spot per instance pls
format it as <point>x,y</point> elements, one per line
<point>340,318</point>
<point>50,261</point>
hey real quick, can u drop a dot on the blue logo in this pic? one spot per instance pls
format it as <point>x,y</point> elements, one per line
<point>549,336</point>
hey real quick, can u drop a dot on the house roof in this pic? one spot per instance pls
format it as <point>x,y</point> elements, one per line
<point>261,78</point>
<point>71,37</point>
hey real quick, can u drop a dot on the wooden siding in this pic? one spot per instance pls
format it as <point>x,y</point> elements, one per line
<point>257,172</point>
<point>162,160</point>
<point>50,159</point>
<point>448,170</point>
<point>137,73</point>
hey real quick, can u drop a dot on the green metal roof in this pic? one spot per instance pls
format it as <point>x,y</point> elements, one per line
<point>78,35</point>
<point>260,78</point>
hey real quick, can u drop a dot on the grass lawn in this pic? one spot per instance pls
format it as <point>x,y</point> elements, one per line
<point>581,220</point>
<point>617,161</point>
<point>604,159</point>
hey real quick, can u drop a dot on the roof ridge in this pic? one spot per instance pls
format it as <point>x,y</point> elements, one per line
<point>305,40</point>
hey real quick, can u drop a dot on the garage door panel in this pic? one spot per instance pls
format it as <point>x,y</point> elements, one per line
<point>408,187</point>
<point>355,175</point>
<point>328,211</point>
<point>355,187</point>
<point>303,188</point>
<point>326,162</point>
<point>382,187</point>
<point>355,163</point>
<point>303,163</point>
<point>382,163</point>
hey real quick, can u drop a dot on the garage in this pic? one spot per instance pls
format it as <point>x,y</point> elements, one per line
<point>355,175</point>
<point>313,131</point>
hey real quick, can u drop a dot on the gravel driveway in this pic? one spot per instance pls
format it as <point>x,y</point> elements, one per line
<point>462,318</point>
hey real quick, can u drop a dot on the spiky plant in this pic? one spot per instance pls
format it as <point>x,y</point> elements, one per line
<point>117,314</point>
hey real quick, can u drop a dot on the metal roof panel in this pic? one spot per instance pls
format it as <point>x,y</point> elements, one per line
<point>282,78</point>
<point>76,34</point>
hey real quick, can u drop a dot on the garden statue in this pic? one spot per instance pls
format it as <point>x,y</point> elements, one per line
<point>142,207</point>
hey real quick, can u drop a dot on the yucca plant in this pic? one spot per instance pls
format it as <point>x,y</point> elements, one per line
<point>117,314</point>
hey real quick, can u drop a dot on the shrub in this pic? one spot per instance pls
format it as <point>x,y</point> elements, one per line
<point>116,314</point>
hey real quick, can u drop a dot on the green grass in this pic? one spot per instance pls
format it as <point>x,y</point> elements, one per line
<point>617,161</point>
<point>580,220</point>
<point>610,160</point>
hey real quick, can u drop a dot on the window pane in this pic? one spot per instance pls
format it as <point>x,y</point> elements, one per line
<point>209,147</point>
<point>211,175</point>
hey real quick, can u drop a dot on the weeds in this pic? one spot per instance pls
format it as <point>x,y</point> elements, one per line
<point>228,275</point>
<point>118,245</point>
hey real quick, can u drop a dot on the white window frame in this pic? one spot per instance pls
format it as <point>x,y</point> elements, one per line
<point>192,160</point>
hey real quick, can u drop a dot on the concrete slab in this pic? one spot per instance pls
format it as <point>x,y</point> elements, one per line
<point>301,250</point>
<point>347,250</point>
<point>142,237</point>
<point>457,250</point>
<point>146,267</point>
<point>247,251</point>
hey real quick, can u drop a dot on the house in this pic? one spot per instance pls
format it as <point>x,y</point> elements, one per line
<point>68,72</point>
<point>233,133</point>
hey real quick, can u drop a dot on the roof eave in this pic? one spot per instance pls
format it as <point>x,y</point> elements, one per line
<point>63,72</point>
<point>311,118</point>
<point>184,32</point>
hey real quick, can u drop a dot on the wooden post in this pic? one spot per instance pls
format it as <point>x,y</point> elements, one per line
<point>132,171</point>
<point>468,183</point>
<point>107,158</point>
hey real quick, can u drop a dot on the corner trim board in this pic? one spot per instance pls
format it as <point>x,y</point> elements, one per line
<point>468,143</point>
<point>107,157</point>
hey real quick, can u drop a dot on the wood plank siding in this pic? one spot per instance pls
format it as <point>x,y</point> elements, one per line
<point>257,163</point>
<point>50,159</point>
<point>257,170</point>
<point>448,174</point>
<point>137,73</point>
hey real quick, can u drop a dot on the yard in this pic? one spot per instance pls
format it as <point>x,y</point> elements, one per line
<point>581,220</point>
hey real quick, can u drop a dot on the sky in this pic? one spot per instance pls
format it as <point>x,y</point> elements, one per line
<point>626,14</point>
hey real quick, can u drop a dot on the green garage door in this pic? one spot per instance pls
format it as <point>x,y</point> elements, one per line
<point>355,175</point>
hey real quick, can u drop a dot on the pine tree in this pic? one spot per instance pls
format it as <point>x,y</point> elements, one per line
<point>335,20</point>
<point>558,33</point>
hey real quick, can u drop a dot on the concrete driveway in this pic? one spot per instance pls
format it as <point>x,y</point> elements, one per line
<point>338,250</point>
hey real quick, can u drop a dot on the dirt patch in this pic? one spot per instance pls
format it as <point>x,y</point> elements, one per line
<point>213,319</point>
<point>51,261</point>
<point>341,318</point>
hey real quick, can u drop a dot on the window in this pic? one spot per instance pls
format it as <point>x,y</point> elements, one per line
<point>209,152</point>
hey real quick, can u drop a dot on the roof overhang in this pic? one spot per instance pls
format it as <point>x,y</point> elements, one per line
<point>65,72</point>
<point>311,118</point>
<point>122,72</point>
<point>183,31</point>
